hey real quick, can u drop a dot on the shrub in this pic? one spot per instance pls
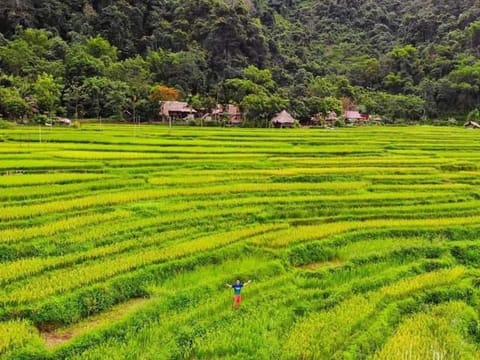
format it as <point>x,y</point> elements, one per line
<point>467,255</point>
<point>309,253</point>
<point>452,122</point>
<point>41,119</point>
<point>5,124</point>
<point>12,104</point>
<point>210,123</point>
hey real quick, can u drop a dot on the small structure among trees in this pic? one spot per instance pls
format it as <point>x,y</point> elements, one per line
<point>353,117</point>
<point>472,125</point>
<point>331,119</point>
<point>327,120</point>
<point>473,119</point>
<point>283,120</point>
<point>176,110</point>
<point>231,113</point>
<point>63,121</point>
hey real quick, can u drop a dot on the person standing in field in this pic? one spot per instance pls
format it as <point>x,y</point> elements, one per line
<point>237,291</point>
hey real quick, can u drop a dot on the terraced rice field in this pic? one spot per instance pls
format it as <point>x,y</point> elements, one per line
<point>117,242</point>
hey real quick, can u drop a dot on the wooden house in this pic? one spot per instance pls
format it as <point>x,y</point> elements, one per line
<point>472,125</point>
<point>355,118</point>
<point>177,110</point>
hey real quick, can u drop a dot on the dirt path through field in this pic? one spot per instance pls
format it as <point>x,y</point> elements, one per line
<point>60,336</point>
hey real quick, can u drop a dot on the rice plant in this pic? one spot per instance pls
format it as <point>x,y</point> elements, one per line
<point>361,243</point>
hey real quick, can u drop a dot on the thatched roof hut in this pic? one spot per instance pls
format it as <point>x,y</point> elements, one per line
<point>283,119</point>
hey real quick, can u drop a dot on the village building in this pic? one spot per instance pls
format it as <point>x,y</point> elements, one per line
<point>230,112</point>
<point>328,120</point>
<point>283,120</point>
<point>331,118</point>
<point>316,119</point>
<point>352,117</point>
<point>355,117</point>
<point>63,121</point>
<point>376,120</point>
<point>177,110</point>
<point>472,125</point>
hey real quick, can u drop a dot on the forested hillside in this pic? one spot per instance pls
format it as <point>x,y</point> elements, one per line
<point>400,59</point>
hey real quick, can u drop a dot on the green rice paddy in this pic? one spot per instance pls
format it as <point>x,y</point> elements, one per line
<point>116,243</point>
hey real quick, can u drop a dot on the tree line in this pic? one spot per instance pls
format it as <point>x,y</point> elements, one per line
<point>405,60</point>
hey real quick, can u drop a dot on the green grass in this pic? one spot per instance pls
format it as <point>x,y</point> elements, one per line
<point>117,242</point>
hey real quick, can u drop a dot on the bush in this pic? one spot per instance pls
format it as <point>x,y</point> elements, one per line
<point>12,104</point>
<point>41,119</point>
<point>441,123</point>
<point>467,256</point>
<point>210,123</point>
<point>440,295</point>
<point>5,124</point>
<point>459,166</point>
<point>452,122</point>
<point>306,254</point>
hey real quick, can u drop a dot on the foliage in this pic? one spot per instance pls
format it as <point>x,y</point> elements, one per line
<point>46,93</point>
<point>164,93</point>
<point>12,104</point>
<point>5,124</point>
<point>360,242</point>
<point>185,70</point>
<point>474,115</point>
<point>15,335</point>
<point>422,56</point>
<point>317,105</point>
<point>256,94</point>
<point>41,119</point>
<point>436,333</point>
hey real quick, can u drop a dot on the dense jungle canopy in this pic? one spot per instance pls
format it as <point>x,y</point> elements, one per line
<point>402,59</point>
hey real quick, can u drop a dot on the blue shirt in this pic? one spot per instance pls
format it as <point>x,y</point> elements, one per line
<point>237,288</point>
